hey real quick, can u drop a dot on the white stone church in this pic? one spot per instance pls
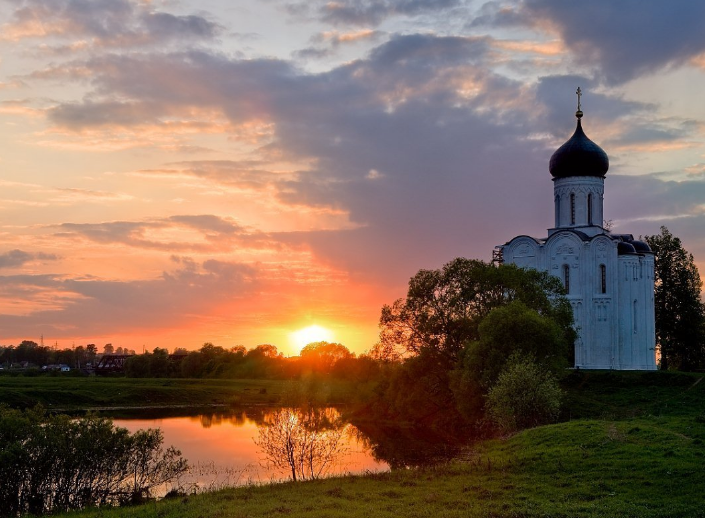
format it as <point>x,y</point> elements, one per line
<point>609,277</point>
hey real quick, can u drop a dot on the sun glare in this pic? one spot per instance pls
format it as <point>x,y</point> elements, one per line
<point>305,336</point>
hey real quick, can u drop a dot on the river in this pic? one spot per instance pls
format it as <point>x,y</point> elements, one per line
<point>222,448</point>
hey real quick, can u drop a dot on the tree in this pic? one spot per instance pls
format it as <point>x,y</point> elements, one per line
<point>515,329</point>
<point>444,308</point>
<point>680,314</point>
<point>264,351</point>
<point>322,356</point>
<point>439,330</point>
<point>506,332</point>
<point>304,443</point>
<point>91,351</point>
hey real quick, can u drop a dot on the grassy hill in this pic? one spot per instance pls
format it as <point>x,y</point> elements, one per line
<point>633,446</point>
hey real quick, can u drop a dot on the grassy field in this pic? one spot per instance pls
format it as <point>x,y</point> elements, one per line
<point>71,393</point>
<point>634,447</point>
<point>589,468</point>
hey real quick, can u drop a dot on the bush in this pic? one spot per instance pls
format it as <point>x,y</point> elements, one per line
<point>54,463</point>
<point>524,396</point>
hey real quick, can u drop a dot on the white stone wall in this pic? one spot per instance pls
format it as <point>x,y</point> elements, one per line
<point>571,196</point>
<point>614,332</point>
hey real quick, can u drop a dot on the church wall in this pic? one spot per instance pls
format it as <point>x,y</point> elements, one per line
<point>524,252</point>
<point>637,338</point>
<point>649,352</point>
<point>583,189</point>
<point>605,322</point>
<point>600,326</point>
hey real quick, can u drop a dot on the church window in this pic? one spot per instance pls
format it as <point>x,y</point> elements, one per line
<point>572,209</point>
<point>603,278</point>
<point>566,277</point>
<point>634,319</point>
<point>589,209</point>
<point>558,211</point>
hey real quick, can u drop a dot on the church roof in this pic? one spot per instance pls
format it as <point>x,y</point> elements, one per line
<point>579,156</point>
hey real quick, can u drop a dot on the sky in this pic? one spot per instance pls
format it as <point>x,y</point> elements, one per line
<point>176,172</point>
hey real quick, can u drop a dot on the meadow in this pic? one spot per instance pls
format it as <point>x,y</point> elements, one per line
<point>68,393</point>
<point>632,445</point>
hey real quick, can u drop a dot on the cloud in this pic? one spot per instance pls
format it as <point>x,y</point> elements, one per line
<point>366,12</point>
<point>63,304</point>
<point>105,23</point>
<point>445,134</point>
<point>75,195</point>
<point>327,43</point>
<point>622,40</point>
<point>16,258</point>
<point>192,233</point>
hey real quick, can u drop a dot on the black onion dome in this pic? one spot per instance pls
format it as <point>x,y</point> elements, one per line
<point>624,248</point>
<point>641,247</point>
<point>580,156</point>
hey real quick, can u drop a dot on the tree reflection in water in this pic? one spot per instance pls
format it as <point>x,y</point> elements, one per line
<point>302,442</point>
<point>407,447</point>
<point>316,440</point>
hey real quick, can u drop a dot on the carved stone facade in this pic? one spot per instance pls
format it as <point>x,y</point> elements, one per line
<point>609,277</point>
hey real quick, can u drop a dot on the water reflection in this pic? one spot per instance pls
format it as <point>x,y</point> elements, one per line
<point>240,447</point>
<point>402,447</point>
<point>303,442</point>
<point>222,451</point>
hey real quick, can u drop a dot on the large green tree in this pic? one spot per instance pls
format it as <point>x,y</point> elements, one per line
<point>443,308</point>
<point>444,329</point>
<point>680,314</point>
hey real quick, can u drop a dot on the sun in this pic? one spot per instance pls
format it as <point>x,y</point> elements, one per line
<point>305,336</point>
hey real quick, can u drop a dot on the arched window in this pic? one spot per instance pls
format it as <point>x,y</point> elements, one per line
<point>566,277</point>
<point>558,211</point>
<point>589,209</point>
<point>603,278</point>
<point>572,208</point>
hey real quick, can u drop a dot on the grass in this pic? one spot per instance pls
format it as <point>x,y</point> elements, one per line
<point>587,468</point>
<point>74,393</point>
<point>634,447</point>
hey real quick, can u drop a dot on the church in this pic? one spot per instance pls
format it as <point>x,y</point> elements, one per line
<point>609,278</point>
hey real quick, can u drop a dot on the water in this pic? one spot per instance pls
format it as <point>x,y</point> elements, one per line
<point>222,451</point>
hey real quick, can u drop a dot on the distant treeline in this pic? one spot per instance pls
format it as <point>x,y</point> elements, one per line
<point>262,362</point>
<point>29,354</point>
<point>210,361</point>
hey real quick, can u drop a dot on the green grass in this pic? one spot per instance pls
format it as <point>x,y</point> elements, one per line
<point>634,447</point>
<point>71,393</point>
<point>588,468</point>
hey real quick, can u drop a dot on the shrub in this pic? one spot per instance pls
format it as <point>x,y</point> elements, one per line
<point>524,396</point>
<point>54,463</point>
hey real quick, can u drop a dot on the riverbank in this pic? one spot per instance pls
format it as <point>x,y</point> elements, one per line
<point>638,467</point>
<point>59,393</point>
<point>72,394</point>
<point>635,447</point>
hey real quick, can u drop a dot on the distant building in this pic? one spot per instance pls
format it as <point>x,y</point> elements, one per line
<point>609,277</point>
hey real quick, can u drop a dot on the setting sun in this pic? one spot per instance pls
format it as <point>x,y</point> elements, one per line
<point>309,334</point>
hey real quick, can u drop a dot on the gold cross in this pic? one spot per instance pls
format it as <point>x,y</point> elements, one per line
<point>579,92</point>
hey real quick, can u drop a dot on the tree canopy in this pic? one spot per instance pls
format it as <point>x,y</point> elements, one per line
<point>455,331</point>
<point>322,356</point>
<point>680,314</point>
<point>444,308</point>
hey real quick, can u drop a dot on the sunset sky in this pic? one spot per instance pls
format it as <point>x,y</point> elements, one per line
<point>181,172</point>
